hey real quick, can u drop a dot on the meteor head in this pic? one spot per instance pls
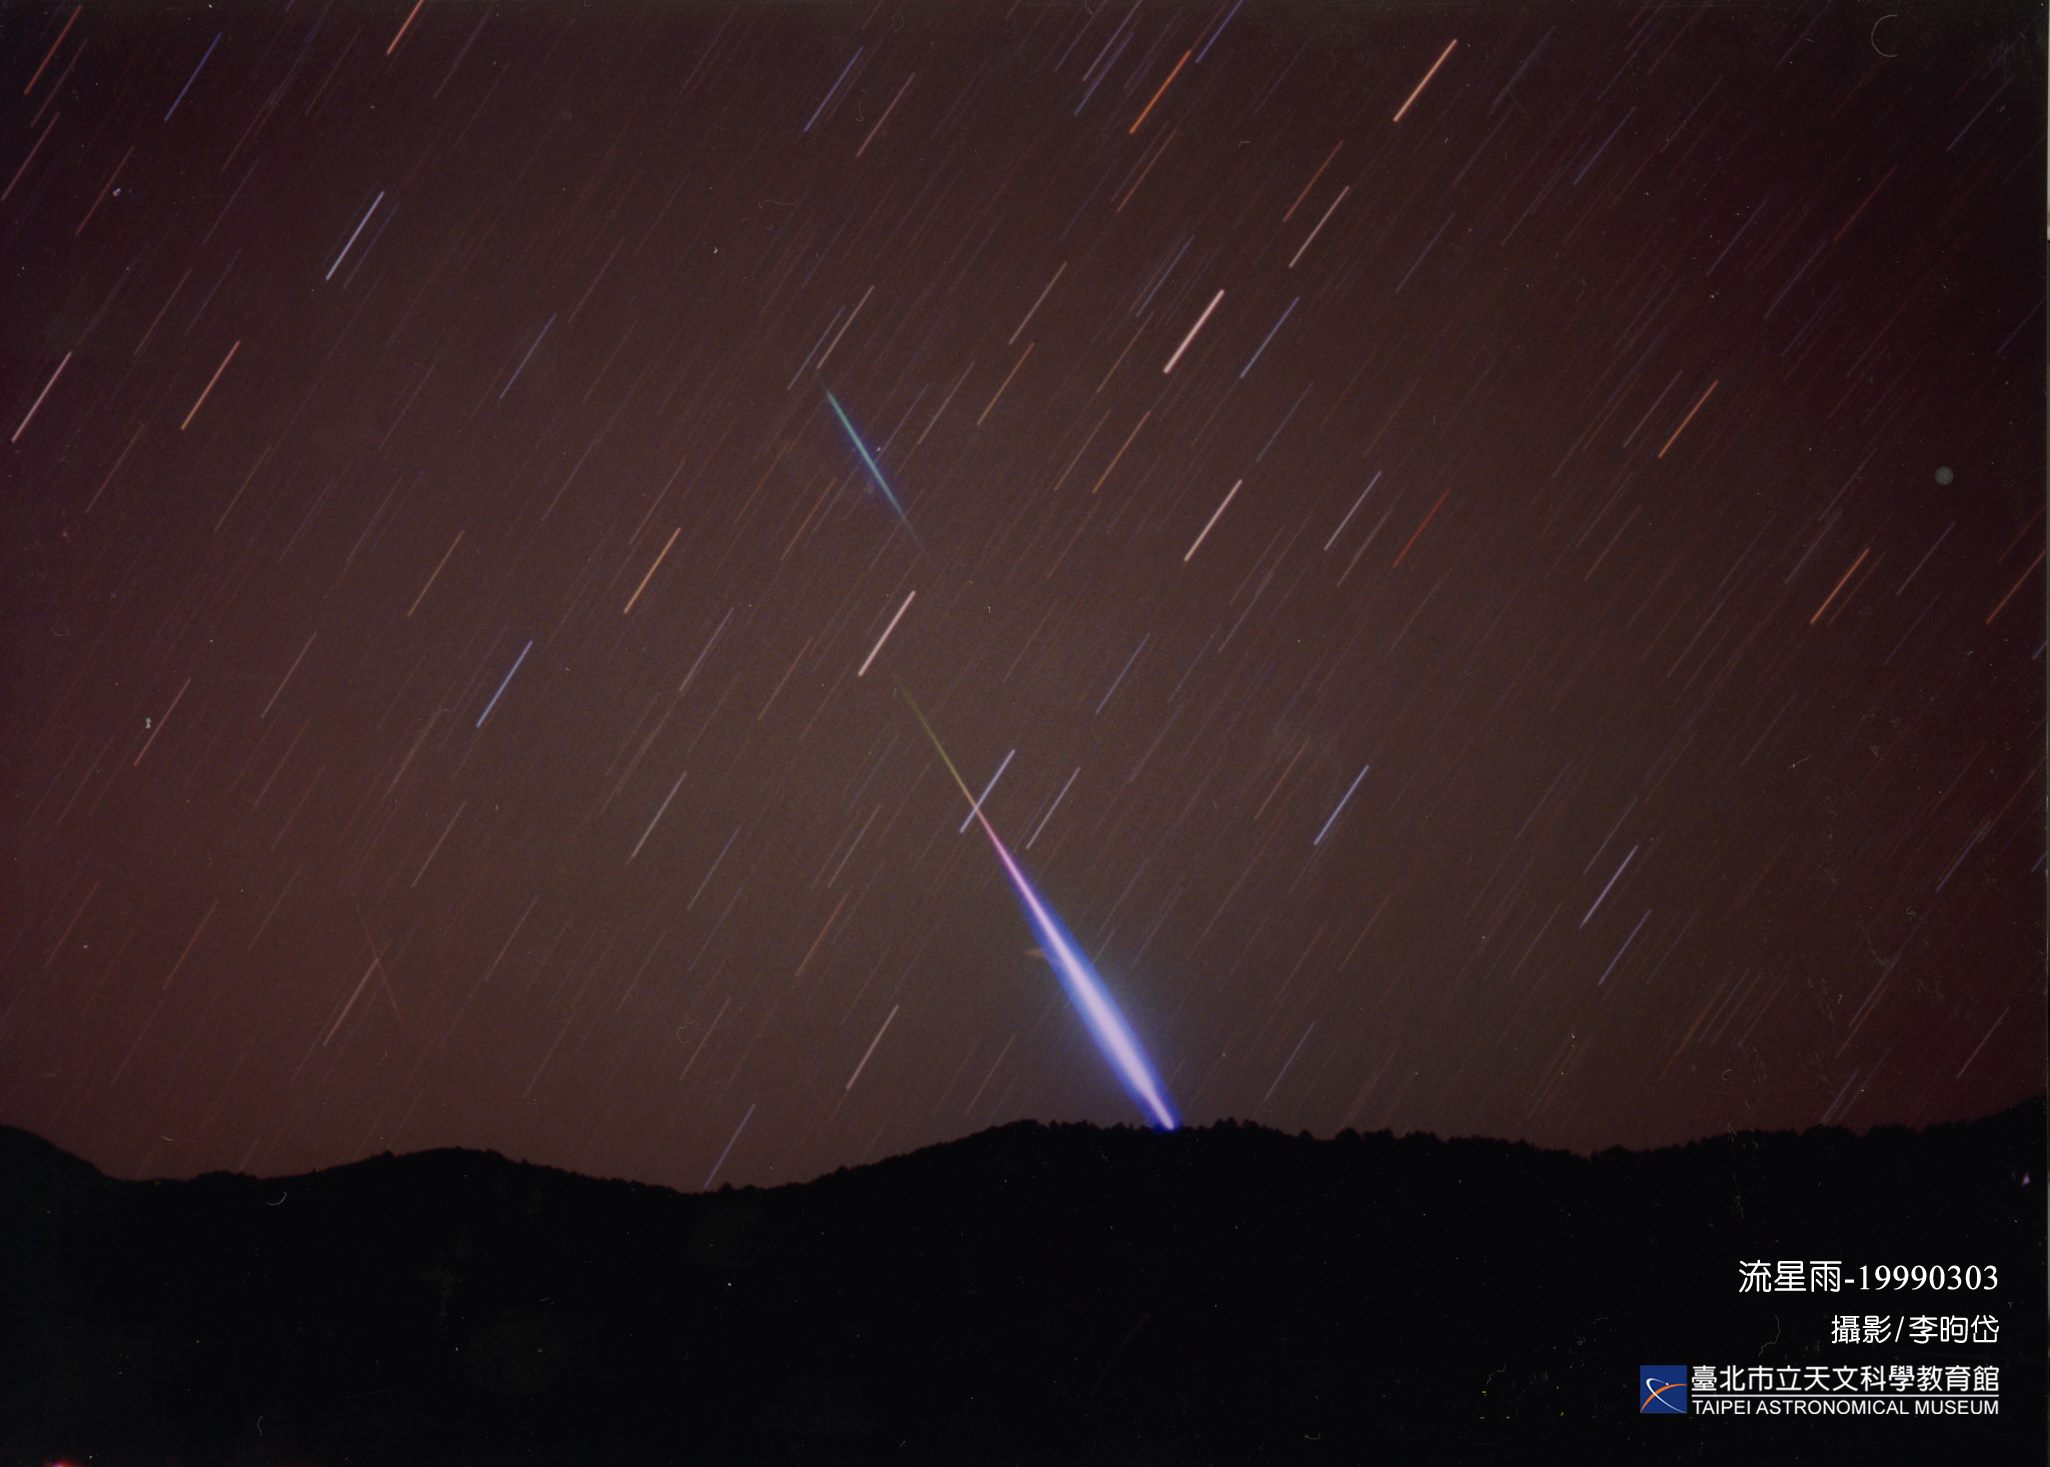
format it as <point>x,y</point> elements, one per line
<point>1099,1011</point>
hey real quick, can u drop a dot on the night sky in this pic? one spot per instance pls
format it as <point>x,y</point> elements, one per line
<point>1496,550</point>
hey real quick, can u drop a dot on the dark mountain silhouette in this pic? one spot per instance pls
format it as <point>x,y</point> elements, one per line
<point>1043,1294</point>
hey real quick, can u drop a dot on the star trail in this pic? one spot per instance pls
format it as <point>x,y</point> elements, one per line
<point>1493,556</point>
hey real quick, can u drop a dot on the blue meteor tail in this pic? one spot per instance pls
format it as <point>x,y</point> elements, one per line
<point>1085,990</point>
<point>874,471</point>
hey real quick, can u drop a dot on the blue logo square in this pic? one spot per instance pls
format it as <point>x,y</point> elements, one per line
<point>1662,1390</point>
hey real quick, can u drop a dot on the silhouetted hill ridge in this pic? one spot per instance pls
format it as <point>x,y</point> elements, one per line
<point>1029,1293</point>
<point>23,1153</point>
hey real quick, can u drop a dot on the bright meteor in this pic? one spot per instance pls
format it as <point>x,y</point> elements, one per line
<point>874,472</point>
<point>1085,990</point>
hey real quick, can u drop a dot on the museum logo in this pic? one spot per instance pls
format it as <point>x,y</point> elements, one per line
<point>1662,1390</point>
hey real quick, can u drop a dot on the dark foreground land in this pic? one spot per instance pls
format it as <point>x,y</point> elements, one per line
<point>1031,1294</point>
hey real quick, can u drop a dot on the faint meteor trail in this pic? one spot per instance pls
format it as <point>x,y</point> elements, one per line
<point>1085,990</point>
<point>874,472</point>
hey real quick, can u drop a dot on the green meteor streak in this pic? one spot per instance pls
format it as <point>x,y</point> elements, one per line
<point>937,747</point>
